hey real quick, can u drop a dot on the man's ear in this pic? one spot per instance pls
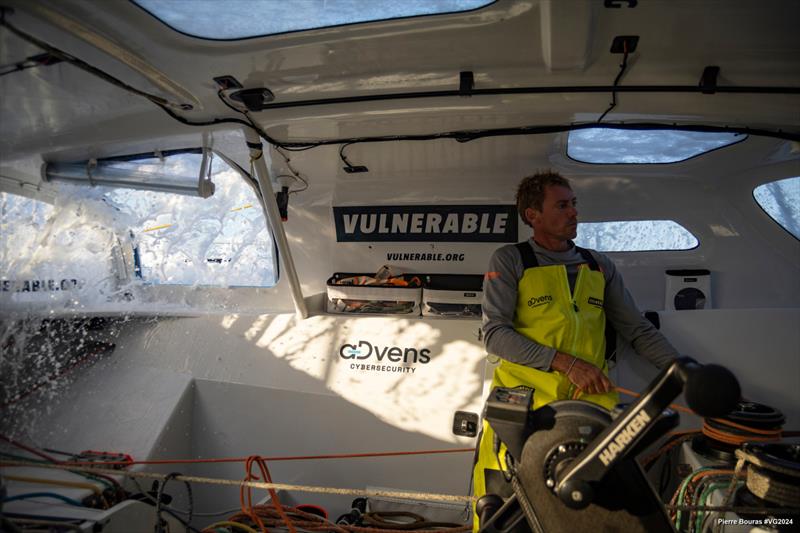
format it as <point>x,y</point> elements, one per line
<point>530,215</point>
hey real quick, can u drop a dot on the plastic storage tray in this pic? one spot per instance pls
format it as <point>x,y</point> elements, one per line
<point>372,299</point>
<point>452,295</point>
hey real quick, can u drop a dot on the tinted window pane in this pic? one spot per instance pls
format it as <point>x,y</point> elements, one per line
<point>239,19</point>
<point>635,236</point>
<point>781,200</point>
<point>608,145</point>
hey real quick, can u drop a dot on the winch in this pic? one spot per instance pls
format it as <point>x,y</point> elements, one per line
<point>571,466</point>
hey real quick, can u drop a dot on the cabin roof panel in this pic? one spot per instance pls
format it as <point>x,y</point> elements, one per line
<point>506,45</point>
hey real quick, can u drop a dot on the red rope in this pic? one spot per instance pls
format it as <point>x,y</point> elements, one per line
<point>275,458</point>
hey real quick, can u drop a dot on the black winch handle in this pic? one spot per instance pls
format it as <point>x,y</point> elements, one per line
<point>711,391</point>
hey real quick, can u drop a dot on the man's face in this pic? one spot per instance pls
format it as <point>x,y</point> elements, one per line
<point>558,219</point>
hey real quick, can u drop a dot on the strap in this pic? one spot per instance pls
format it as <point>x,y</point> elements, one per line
<point>528,255</point>
<point>611,333</point>
<point>589,258</point>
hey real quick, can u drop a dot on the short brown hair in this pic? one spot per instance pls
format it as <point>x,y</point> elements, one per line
<point>530,192</point>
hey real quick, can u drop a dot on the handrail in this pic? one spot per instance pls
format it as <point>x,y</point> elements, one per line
<point>271,210</point>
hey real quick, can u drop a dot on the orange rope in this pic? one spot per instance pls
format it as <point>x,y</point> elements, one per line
<point>674,406</point>
<point>747,428</point>
<point>772,435</point>
<point>754,434</point>
<point>248,508</point>
<point>679,438</point>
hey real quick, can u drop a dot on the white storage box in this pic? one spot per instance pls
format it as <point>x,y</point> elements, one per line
<point>452,295</point>
<point>373,299</point>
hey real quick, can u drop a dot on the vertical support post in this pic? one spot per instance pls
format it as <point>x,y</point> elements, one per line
<point>271,209</point>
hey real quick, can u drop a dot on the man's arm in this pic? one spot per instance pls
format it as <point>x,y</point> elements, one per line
<point>624,315</point>
<point>499,304</point>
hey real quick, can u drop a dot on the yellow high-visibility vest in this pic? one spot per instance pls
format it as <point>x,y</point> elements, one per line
<point>572,322</point>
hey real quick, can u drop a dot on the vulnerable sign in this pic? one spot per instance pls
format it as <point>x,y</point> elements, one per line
<point>415,223</point>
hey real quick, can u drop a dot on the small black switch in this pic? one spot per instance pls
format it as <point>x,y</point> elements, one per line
<point>465,424</point>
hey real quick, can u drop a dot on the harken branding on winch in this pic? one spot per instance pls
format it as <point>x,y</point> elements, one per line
<point>624,437</point>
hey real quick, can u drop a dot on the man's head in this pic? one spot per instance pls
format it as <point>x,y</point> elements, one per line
<point>545,202</point>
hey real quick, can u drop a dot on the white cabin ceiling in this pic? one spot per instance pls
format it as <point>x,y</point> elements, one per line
<point>509,44</point>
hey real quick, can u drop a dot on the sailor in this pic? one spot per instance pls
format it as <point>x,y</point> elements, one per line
<point>546,302</point>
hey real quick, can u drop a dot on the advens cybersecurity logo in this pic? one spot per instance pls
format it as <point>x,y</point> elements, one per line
<point>370,357</point>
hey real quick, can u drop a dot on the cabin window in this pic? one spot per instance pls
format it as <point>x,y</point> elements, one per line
<point>96,247</point>
<point>220,241</point>
<point>635,236</point>
<point>624,146</point>
<point>57,254</point>
<point>22,221</point>
<point>781,200</point>
<point>240,19</point>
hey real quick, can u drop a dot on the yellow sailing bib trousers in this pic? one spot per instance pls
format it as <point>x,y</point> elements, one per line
<point>547,312</point>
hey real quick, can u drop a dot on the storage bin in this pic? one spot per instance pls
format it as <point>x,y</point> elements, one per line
<point>374,299</point>
<point>452,295</point>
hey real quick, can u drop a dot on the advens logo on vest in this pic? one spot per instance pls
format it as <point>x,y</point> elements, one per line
<point>369,357</point>
<point>536,301</point>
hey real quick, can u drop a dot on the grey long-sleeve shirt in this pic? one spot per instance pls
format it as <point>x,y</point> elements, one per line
<point>500,301</point>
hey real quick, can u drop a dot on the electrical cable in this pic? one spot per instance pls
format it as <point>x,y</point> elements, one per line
<point>622,68</point>
<point>702,516</point>
<point>52,525</point>
<point>171,510</point>
<point>69,58</point>
<point>342,156</point>
<point>296,178</point>
<point>683,489</point>
<point>29,495</point>
<point>161,524</point>
<point>62,483</point>
<point>120,492</point>
<point>294,173</point>
<point>39,60</point>
<point>304,521</point>
<point>28,449</point>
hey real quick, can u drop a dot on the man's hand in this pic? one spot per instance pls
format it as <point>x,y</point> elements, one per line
<point>587,377</point>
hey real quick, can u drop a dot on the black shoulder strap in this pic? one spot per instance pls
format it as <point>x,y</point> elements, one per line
<point>589,258</point>
<point>528,255</point>
<point>611,333</point>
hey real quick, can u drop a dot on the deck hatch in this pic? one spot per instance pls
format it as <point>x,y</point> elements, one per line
<point>635,236</point>
<point>630,146</point>
<point>781,201</point>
